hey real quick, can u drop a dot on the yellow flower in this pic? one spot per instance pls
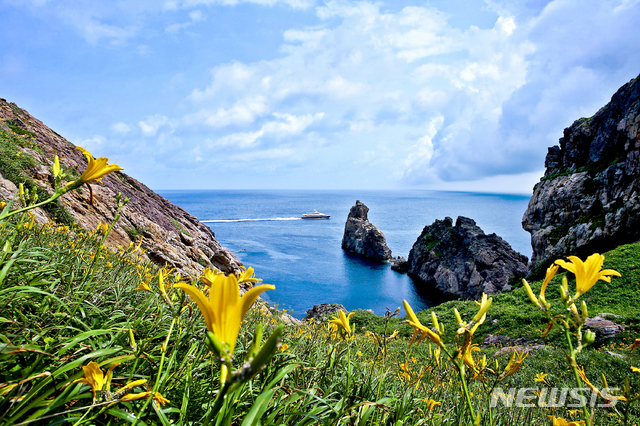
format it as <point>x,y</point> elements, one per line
<point>284,347</point>
<point>587,273</point>
<point>421,330</point>
<point>144,286</point>
<point>559,421</point>
<point>551,272</point>
<point>210,276</point>
<point>246,276</point>
<point>94,377</point>
<point>341,321</point>
<point>224,309</point>
<point>514,363</point>
<point>541,377</point>
<point>163,291</point>
<point>133,396</point>
<point>56,167</point>
<point>431,404</point>
<point>468,357</point>
<point>635,369</point>
<point>97,168</point>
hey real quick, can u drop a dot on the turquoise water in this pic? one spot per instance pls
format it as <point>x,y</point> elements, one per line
<point>303,258</point>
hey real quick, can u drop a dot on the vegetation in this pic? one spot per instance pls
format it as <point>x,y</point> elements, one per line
<point>99,336</point>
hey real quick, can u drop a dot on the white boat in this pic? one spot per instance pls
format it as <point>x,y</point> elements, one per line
<point>315,215</point>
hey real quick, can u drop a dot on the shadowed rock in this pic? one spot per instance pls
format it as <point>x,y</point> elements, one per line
<point>462,261</point>
<point>361,237</point>
<point>589,198</point>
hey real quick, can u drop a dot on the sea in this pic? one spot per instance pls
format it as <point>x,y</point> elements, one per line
<point>304,259</point>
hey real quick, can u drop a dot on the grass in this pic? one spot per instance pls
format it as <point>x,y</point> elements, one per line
<point>66,300</point>
<point>14,166</point>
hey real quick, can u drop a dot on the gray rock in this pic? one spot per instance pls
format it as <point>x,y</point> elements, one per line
<point>604,328</point>
<point>361,237</point>
<point>323,312</point>
<point>400,264</point>
<point>589,198</point>
<point>462,261</point>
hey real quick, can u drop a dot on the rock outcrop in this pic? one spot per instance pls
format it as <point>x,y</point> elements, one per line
<point>324,312</point>
<point>462,261</point>
<point>171,236</point>
<point>589,198</point>
<point>361,237</point>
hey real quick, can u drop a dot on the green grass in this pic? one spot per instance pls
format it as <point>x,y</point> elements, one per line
<point>66,300</point>
<point>14,166</point>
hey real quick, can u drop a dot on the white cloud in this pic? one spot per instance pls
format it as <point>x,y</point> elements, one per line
<point>120,127</point>
<point>285,125</point>
<point>93,144</point>
<point>151,125</point>
<point>245,111</point>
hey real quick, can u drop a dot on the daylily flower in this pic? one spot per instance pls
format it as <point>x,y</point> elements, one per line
<point>551,272</point>
<point>588,272</point>
<point>94,377</point>
<point>133,396</point>
<point>224,309</point>
<point>341,321</point>
<point>163,290</point>
<point>431,404</point>
<point>246,276</point>
<point>97,168</point>
<point>210,276</point>
<point>542,378</point>
<point>514,363</point>
<point>421,330</point>
<point>559,421</point>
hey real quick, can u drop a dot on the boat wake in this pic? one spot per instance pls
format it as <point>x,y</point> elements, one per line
<point>248,220</point>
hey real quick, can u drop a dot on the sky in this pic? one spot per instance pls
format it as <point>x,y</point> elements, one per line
<point>305,94</point>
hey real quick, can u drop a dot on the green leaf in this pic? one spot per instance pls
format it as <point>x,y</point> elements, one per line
<point>258,408</point>
<point>123,415</point>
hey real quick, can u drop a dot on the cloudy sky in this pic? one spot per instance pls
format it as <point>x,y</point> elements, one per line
<point>441,94</point>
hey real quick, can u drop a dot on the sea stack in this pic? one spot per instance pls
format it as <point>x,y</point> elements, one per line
<point>361,237</point>
<point>462,261</point>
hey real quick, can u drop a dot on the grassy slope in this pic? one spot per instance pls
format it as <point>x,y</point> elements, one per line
<point>512,313</point>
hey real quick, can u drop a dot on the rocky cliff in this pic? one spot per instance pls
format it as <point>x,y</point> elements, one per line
<point>462,261</point>
<point>171,236</point>
<point>589,198</point>
<point>361,237</point>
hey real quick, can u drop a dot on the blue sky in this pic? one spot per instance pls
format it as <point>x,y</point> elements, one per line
<point>208,94</point>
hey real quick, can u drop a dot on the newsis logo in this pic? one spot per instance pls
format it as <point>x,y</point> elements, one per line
<point>553,397</point>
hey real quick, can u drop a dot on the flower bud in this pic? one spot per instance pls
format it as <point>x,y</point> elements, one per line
<point>458,317</point>
<point>589,337</point>
<point>56,167</point>
<point>532,296</point>
<point>564,290</point>
<point>434,320</point>
<point>585,312</point>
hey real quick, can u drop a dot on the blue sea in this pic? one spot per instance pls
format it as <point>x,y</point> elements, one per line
<point>303,258</point>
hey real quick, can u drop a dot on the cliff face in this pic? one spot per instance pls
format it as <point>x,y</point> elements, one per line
<point>462,261</point>
<point>171,235</point>
<point>362,237</point>
<point>589,198</point>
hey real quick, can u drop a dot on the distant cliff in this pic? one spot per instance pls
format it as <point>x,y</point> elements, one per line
<point>589,198</point>
<point>171,236</point>
<point>362,237</point>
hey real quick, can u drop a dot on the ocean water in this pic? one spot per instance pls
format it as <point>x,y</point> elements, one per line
<point>303,258</point>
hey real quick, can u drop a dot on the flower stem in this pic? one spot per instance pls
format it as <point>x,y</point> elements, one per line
<point>574,365</point>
